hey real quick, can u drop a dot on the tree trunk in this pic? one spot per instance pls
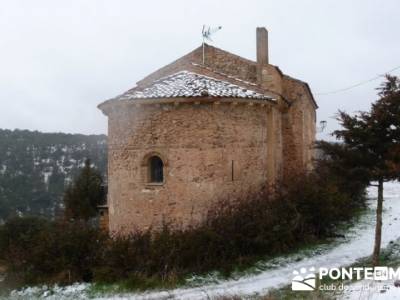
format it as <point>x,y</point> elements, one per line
<point>378,228</point>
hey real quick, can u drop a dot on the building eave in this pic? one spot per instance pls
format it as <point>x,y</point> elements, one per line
<point>111,104</point>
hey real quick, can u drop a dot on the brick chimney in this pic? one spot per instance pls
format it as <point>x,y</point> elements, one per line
<point>268,76</point>
<point>262,46</point>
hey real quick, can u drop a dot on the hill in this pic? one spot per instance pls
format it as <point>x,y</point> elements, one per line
<point>35,168</point>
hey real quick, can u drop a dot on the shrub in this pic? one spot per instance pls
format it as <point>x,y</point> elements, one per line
<point>38,251</point>
<point>18,235</point>
<point>233,234</point>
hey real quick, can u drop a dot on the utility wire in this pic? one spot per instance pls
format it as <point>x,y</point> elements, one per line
<point>356,85</point>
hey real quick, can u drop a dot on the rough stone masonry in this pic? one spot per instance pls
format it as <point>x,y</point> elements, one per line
<point>191,134</point>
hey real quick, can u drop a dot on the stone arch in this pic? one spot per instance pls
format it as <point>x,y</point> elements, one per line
<point>154,166</point>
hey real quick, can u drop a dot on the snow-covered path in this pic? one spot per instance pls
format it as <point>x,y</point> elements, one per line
<point>359,244</point>
<point>278,272</point>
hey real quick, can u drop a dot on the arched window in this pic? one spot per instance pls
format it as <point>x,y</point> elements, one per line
<point>156,170</point>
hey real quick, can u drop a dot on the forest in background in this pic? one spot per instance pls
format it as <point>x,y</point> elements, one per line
<point>36,167</point>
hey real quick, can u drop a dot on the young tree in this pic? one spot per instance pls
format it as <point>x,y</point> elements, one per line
<point>371,142</point>
<point>85,194</point>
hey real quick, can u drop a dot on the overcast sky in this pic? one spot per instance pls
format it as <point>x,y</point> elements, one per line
<point>60,59</point>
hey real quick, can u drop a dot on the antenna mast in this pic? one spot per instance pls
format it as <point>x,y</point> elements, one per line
<point>206,33</point>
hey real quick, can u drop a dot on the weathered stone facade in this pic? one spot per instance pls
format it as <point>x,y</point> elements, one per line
<point>211,147</point>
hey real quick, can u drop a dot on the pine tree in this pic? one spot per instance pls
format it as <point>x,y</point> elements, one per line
<point>371,144</point>
<point>85,194</point>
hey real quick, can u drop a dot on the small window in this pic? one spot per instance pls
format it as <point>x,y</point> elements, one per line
<point>156,170</point>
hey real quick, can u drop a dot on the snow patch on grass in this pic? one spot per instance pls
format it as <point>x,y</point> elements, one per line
<point>269,274</point>
<point>74,291</point>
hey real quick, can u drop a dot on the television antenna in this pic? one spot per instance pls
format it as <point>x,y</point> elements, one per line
<point>206,33</point>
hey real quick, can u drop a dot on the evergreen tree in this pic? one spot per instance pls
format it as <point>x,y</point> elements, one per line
<point>85,194</point>
<point>36,167</point>
<point>371,145</point>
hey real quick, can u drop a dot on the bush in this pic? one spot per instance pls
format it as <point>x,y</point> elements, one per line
<point>37,251</point>
<point>17,235</point>
<point>234,234</point>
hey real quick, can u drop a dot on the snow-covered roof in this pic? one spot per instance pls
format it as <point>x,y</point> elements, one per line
<point>189,84</point>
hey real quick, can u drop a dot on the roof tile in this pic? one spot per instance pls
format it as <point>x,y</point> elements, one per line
<point>190,84</point>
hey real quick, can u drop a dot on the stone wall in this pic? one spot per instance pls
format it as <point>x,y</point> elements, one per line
<point>217,59</point>
<point>298,129</point>
<point>211,152</point>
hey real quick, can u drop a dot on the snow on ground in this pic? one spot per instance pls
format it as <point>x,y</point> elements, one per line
<point>75,291</point>
<point>360,244</point>
<point>278,272</point>
<point>371,290</point>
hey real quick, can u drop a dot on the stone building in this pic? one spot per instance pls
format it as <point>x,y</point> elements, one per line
<point>202,129</point>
